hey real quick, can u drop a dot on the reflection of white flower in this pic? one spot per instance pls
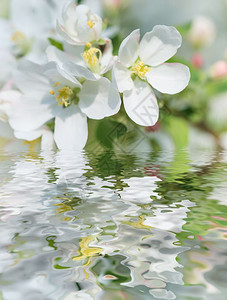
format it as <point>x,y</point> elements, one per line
<point>51,93</point>
<point>80,26</point>
<point>144,63</point>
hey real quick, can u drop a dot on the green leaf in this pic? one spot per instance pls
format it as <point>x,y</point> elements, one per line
<point>178,129</point>
<point>184,29</point>
<point>216,86</point>
<point>56,43</point>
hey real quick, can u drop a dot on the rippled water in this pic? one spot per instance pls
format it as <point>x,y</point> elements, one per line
<point>113,226</point>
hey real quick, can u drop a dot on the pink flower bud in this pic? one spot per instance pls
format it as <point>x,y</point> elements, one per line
<point>197,60</point>
<point>219,69</point>
<point>114,4</point>
<point>154,128</point>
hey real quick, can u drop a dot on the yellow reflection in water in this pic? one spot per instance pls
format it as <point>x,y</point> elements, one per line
<point>86,252</point>
<point>139,224</point>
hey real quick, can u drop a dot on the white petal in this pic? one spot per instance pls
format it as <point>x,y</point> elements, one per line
<point>5,34</point>
<point>159,45</point>
<point>58,56</point>
<point>99,99</point>
<point>28,135</point>
<point>75,51</point>
<point>69,16</point>
<point>8,98</point>
<point>82,10</point>
<point>47,141</point>
<point>169,78</point>
<point>71,39</point>
<point>128,51</point>
<point>31,112</point>
<point>122,77</point>
<point>36,53</point>
<point>56,74</point>
<point>79,71</point>
<point>107,57</point>
<point>85,33</point>
<point>141,104</point>
<point>30,17</point>
<point>8,64</point>
<point>29,78</point>
<point>5,130</point>
<point>97,28</point>
<point>71,131</point>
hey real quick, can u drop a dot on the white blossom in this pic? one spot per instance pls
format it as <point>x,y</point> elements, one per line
<point>49,92</point>
<point>142,65</point>
<point>80,25</point>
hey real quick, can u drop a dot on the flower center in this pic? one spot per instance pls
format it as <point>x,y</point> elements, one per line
<point>140,69</point>
<point>90,23</point>
<point>18,37</point>
<point>91,58</point>
<point>63,95</point>
<point>21,43</point>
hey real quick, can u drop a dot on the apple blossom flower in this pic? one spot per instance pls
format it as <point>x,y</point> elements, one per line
<point>52,93</point>
<point>91,57</point>
<point>25,32</point>
<point>142,65</point>
<point>202,31</point>
<point>80,25</point>
<point>90,65</point>
<point>8,100</point>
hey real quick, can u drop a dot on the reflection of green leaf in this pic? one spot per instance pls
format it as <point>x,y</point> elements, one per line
<point>112,265</point>
<point>204,216</point>
<point>56,43</point>
<point>108,131</point>
<point>51,175</point>
<point>58,267</point>
<point>51,241</point>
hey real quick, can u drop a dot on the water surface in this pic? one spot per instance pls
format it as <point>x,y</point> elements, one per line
<point>113,226</point>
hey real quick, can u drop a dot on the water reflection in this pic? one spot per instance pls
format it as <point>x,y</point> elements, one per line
<point>113,226</point>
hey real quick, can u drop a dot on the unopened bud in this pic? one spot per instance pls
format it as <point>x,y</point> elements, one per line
<point>219,69</point>
<point>202,31</point>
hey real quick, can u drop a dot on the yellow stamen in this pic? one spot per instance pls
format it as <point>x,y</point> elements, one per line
<point>88,45</point>
<point>64,95</point>
<point>140,69</point>
<point>90,23</point>
<point>92,57</point>
<point>52,92</point>
<point>56,84</point>
<point>18,37</point>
